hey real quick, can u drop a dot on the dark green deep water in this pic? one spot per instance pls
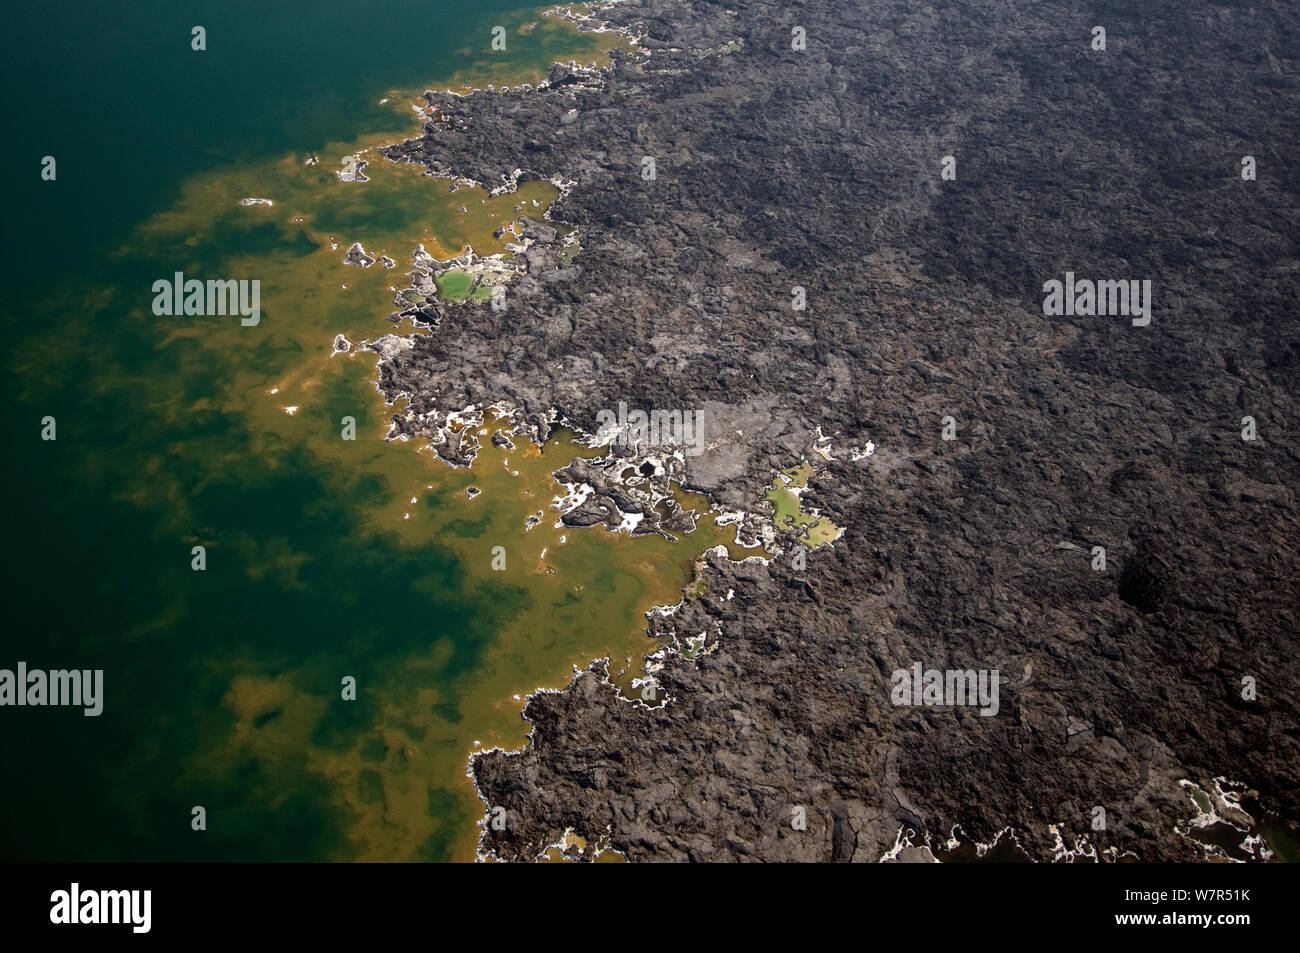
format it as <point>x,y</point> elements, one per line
<point>94,579</point>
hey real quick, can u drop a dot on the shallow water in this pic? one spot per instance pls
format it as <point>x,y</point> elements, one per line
<point>325,557</point>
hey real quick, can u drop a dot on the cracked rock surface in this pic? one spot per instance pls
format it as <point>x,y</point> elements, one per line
<point>821,169</point>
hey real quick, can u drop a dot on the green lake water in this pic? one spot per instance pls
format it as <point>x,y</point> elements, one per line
<point>326,558</point>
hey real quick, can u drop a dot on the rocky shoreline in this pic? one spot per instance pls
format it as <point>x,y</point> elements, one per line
<point>820,169</point>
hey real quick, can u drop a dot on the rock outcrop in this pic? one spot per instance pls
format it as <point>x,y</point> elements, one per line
<point>777,169</point>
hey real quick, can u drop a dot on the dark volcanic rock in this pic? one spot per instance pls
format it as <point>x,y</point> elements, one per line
<point>357,256</point>
<point>821,169</point>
